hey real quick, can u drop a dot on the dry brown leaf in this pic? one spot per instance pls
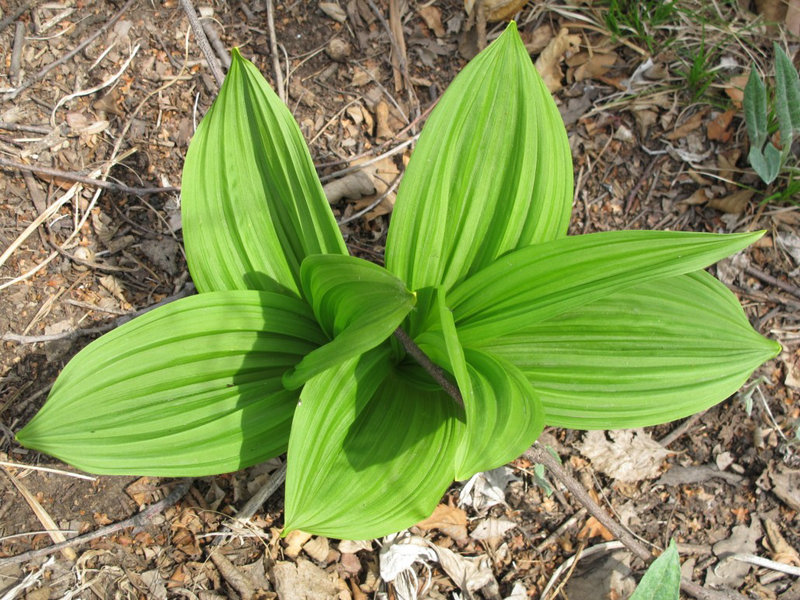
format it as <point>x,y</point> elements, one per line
<point>700,196</point>
<point>450,520</point>
<point>726,161</point>
<point>383,129</point>
<point>594,528</point>
<point>143,491</point>
<point>497,10</point>
<point>718,128</point>
<point>685,128</point>
<point>303,581</point>
<point>294,542</point>
<point>352,186</point>
<point>318,548</point>
<point>735,89</point>
<point>548,62</point>
<point>334,11</point>
<point>734,203</point>
<point>781,551</point>
<point>432,16</point>
<point>773,11</point>
<point>595,66</point>
<point>539,39</point>
<point>792,19</point>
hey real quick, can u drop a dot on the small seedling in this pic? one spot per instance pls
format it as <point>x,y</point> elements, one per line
<point>765,158</point>
<point>289,346</point>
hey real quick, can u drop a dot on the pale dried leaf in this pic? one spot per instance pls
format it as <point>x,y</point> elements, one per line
<point>334,11</point>
<point>497,10</point>
<point>400,551</point>
<point>741,541</point>
<point>294,542</point>
<point>469,574</point>
<point>630,455</point>
<point>782,551</point>
<point>595,66</point>
<point>318,548</point>
<point>303,581</point>
<point>492,530</point>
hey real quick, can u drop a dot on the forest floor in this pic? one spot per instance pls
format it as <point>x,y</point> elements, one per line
<point>651,94</point>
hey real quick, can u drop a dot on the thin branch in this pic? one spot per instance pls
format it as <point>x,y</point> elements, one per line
<point>202,41</point>
<point>276,59</point>
<point>69,176</point>
<point>136,520</point>
<point>767,278</point>
<point>426,363</point>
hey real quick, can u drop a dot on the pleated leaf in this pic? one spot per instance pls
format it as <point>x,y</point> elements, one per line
<point>535,283</point>
<point>371,451</point>
<point>252,205</point>
<point>190,388</point>
<point>503,414</point>
<point>358,305</point>
<point>492,172</point>
<point>652,353</point>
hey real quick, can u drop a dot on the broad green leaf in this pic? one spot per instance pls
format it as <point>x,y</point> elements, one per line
<point>190,388</point>
<point>539,282</point>
<point>649,354</point>
<point>252,205</point>
<point>766,164</point>
<point>662,580</point>
<point>755,109</point>
<point>358,304</point>
<point>787,98</point>
<point>371,452</point>
<point>503,414</point>
<point>492,172</point>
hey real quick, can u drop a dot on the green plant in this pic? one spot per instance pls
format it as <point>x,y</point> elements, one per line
<point>662,580</point>
<point>764,157</point>
<point>289,345</point>
<point>639,19</point>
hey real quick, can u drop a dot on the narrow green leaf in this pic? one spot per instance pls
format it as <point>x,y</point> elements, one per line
<point>252,205</point>
<point>649,354</point>
<point>191,388</point>
<point>492,172</point>
<point>503,414</point>
<point>539,282</point>
<point>662,580</point>
<point>371,451</point>
<point>755,109</point>
<point>358,305</point>
<point>787,98</point>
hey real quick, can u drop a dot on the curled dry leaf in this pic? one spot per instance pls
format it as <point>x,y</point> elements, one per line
<point>595,66</point>
<point>718,128</point>
<point>549,60</point>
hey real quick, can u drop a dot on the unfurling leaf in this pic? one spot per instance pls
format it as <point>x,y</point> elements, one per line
<point>252,204</point>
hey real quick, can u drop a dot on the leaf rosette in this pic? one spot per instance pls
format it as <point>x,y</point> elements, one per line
<point>288,347</point>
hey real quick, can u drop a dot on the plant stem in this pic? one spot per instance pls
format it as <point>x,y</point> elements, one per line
<point>432,368</point>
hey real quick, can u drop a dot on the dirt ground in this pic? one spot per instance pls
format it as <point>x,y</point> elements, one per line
<point>655,144</point>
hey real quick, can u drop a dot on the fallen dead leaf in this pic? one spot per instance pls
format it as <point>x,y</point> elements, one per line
<point>735,88</point>
<point>699,196</point>
<point>450,520</point>
<point>781,550</point>
<point>685,128</point>
<point>595,66</point>
<point>792,19</point>
<point>718,128</point>
<point>734,203</point>
<point>742,540</point>
<point>294,542</point>
<point>318,548</point>
<point>303,581</point>
<point>497,10</point>
<point>594,528</point>
<point>548,62</point>
<point>539,39</point>
<point>492,530</point>
<point>334,11</point>
<point>631,455</point>
<point>382,174</point>
<point>432,15</point>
